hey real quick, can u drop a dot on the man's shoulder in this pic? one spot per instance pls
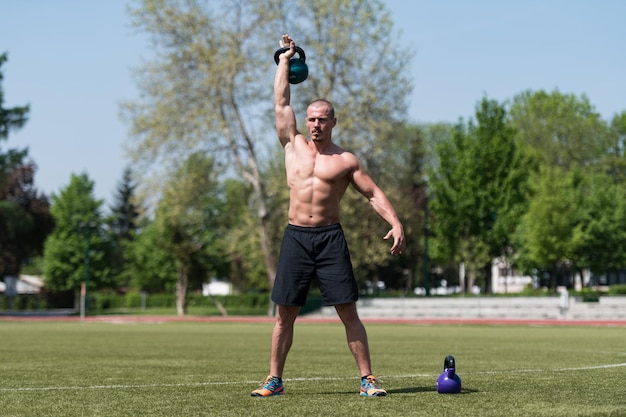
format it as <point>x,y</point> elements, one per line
<point>298,140</point>
<point>347,155</point>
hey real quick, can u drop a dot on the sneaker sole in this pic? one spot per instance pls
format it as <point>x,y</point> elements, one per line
<point>379,394</point>
<point>256,394</point>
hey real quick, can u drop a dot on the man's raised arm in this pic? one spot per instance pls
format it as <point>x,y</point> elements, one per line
<point>285,117</point>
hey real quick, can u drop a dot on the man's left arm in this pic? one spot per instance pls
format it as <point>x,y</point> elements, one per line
<point>364,184</point>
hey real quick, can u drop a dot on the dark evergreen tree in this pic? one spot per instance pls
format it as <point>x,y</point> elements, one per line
<point>25,218</point>
<point>13,118</point>
<point>125,211</point>
<point>123,224</point>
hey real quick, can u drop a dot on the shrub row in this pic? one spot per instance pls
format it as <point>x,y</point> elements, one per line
<point>24,302</point>
<point>100,301</point>
<point>618,289</point>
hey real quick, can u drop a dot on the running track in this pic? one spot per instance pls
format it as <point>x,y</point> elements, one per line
<point>305,319</point>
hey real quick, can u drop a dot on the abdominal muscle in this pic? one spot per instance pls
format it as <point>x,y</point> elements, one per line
<point>313,206</point>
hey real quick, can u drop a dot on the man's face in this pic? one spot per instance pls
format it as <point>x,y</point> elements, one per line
<point>318,123</point>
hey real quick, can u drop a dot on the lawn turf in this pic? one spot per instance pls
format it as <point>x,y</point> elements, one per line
<point>208,369</point>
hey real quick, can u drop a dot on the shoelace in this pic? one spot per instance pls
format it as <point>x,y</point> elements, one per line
<point>372,380</point>
<point>267,381</point>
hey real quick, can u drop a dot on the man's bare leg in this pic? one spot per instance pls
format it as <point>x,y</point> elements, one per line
<point>357,342</point>
<point>282,337</point>
<point>357,336</point>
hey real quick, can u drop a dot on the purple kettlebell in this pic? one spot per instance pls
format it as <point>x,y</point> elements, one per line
<point>449,382</point>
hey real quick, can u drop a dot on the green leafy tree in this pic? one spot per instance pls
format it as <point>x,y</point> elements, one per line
<point>207,90</point>
<point>152,268</point>
<point>247,271</point>
<point>149,266</point>
<point>574,221</point>
<point>549,231</point>
<point>603,224</point>
<point>563,130</point>
<point>479,191</point>
<point>568,226</point>
<point>614,160</point>
<point>187,219</point>
<point>77,251</point>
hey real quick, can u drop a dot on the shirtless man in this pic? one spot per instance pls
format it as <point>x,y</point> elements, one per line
<point>318,174</point>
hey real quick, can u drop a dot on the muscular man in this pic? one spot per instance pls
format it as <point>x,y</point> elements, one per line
<point>318,174</point>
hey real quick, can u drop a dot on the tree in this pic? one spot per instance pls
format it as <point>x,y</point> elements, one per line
<point>77,251</point>
<point>614,160</point>
<point>603,224</point>
<point>123,223</point>
<point>125,211</point>
<point>25,219</point>
<point>370,94</point>
<point>404,184</point>
<point>149,266</point>
<point>247,271</point>
<point>187,220</point>
<point>574,221</point>
<point>564,130</point>
<point>208,89</point>
<point>547,232</point>
<point>10,119</point>
<point>479,191</point>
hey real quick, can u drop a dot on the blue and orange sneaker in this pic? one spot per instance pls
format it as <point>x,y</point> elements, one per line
<point>371,388</point>
<point>271,386</point>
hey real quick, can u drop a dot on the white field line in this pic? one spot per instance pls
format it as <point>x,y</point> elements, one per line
<point>382,377</point>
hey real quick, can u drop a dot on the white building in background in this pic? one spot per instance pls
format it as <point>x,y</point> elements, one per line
<point>217,287</point>
<point>505,279</point>
<point>24,284</point>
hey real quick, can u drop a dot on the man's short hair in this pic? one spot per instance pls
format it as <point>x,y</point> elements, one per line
<point>331,108</point>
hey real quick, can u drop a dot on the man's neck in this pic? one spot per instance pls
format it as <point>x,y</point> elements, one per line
<point>322,145</point>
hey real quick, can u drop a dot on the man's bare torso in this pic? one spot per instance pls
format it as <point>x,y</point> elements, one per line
<point>317,182</point>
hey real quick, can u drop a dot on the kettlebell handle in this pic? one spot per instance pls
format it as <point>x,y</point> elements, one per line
<point>280,51</point>
<point>449,362</point>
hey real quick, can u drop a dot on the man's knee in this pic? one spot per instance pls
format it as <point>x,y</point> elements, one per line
<point>347,312</point>
<point>286,315</point>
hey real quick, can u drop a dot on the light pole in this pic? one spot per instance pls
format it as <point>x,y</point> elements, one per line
<point>84,288</point>
<point>426,258</point>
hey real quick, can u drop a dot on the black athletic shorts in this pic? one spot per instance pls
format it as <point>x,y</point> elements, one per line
<point>314,252</point>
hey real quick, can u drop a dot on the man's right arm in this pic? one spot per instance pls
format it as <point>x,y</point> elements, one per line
<point>285,117</point>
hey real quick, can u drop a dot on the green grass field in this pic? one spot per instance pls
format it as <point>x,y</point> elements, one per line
<point>208,369</point>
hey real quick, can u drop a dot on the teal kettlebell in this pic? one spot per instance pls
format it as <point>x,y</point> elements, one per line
<point>298,70</point>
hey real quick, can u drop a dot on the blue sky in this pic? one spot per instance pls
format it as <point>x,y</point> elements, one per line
<point>71,60</point>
